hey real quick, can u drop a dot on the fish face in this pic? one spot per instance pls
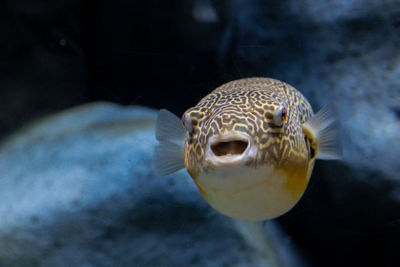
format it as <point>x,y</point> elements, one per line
<point>243,158</point>
<point>254,127</point>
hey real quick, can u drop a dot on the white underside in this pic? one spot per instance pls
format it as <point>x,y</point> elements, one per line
<point>247,193</point>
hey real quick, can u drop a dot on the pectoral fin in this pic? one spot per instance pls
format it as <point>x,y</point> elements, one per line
<point>169,152</point>
<point>323,135</point>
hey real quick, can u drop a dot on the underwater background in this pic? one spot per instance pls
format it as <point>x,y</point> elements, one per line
<point>77,187</point>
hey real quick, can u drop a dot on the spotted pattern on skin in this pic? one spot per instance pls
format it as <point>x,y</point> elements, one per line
<point>248,105</point>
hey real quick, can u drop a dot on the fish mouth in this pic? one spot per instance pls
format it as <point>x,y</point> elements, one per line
<point>229,149</point>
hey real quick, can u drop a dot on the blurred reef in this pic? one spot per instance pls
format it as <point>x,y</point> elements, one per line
<point>169,54</point>
<point>78,189</point>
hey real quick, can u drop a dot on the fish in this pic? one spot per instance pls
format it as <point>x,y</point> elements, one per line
<point>249,146</point>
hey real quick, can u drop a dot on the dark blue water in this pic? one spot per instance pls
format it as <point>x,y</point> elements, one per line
<point>169,54</point>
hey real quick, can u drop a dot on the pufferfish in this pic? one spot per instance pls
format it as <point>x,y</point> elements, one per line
<point>249,146</point>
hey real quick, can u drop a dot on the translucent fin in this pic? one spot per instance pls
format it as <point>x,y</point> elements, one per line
<point>255,235</point>
<point>169,152</point>
<point>169,127</point>
<point>168,158</point>
<point>325,128</point>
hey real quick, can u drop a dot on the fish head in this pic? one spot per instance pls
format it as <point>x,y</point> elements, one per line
<point>246,153</point>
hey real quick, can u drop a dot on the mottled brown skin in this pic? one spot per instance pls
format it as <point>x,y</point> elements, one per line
<point>248,105</point>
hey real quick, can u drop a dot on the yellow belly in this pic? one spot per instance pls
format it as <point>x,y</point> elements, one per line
<point>250,193</point>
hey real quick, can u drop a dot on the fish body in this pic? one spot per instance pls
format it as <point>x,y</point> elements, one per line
<point>249,145</point>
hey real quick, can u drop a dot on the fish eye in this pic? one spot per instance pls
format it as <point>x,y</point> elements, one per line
<point>187,123</point>
<point>280,116</point>
<point>183,120</point>
<point>283,114</point>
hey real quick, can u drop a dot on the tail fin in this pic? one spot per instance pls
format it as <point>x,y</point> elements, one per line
<point>255,236</point>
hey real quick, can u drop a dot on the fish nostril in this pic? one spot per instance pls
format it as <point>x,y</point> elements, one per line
<point>233,147</point>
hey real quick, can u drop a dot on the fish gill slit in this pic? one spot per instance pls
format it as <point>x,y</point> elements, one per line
<point>311,150</point>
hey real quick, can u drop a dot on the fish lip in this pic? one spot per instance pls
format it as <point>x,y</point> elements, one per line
<point>230,160</point>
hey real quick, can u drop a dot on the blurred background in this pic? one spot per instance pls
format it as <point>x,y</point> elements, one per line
<point>169,54</point>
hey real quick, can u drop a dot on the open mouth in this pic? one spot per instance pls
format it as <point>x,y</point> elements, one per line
<point>229,149</point>
<point>232,147</point>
